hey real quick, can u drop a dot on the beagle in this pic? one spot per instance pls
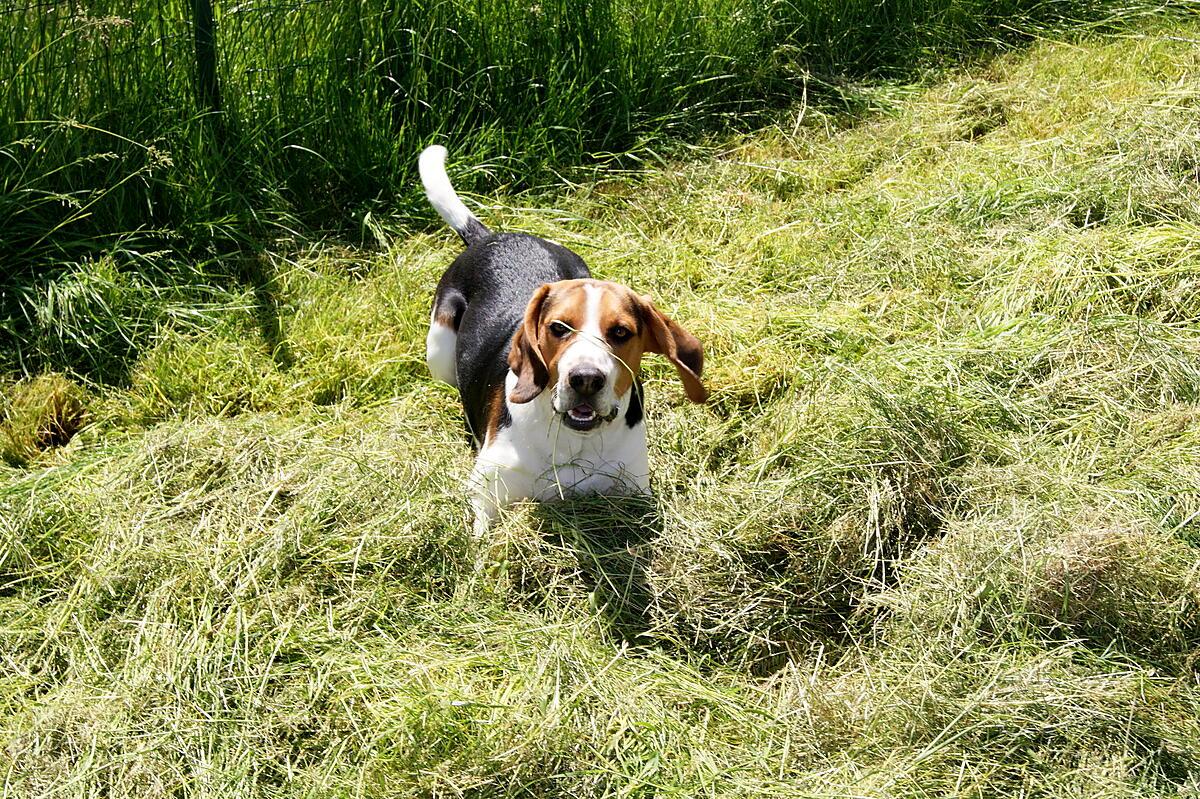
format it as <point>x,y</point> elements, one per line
<point>546,361</point>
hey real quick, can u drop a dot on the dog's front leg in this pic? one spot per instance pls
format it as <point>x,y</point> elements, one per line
<point>495,482</point>
<point>484,510</point>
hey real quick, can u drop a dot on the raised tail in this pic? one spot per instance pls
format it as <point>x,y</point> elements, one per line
<point>432,166</point>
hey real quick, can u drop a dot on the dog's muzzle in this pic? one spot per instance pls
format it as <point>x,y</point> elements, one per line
<point>582,401</point>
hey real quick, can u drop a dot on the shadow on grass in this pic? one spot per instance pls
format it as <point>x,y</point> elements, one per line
<point>259,274</point>
<point>95,319</point>
<point>610,538</point>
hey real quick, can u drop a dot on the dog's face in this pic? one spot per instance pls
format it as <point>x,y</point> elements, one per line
<point>584,340</point>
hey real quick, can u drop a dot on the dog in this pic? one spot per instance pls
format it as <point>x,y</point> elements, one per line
<point>546,360</point>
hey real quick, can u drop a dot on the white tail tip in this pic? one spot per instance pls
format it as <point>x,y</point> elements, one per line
<point>432,166</point>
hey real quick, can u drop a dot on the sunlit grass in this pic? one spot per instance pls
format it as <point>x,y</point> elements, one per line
<point>934,534</point>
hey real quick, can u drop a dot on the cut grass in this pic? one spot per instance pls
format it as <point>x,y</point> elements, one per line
<point>934,534</point>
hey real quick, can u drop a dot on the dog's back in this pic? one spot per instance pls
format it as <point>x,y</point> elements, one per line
<point>482,295</point>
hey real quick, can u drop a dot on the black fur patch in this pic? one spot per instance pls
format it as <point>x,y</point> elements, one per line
<point>634,413</point>
<point>485,291</point>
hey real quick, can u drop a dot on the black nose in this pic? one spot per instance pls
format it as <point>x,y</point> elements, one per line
<point>586,381</point>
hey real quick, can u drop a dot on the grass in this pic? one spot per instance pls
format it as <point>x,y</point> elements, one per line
<point>935,533</point>
<point>41,413</point>
<point>109,144</point>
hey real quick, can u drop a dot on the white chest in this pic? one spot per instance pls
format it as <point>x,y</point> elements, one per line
<point>537,457</point>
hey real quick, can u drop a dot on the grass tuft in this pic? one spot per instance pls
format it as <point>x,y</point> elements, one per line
<point>40,414</point>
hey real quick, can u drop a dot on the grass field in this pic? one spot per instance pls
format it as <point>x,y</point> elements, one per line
<point>935,534</point>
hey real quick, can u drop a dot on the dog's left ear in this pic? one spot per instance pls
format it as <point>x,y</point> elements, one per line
<point>667,337</point>
<point>525,355</point>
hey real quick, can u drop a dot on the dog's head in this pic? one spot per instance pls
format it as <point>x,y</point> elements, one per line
<point>584,339</point>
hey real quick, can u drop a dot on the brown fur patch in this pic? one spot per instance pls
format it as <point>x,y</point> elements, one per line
<point>566,303</point>
<point>497,413</point>
<point>445,318</point>
<point>619,309</point>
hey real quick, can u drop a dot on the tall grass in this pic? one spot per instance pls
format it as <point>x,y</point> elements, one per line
<point>104,145</point>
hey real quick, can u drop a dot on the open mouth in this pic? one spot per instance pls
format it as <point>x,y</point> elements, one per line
<point>584,417</point>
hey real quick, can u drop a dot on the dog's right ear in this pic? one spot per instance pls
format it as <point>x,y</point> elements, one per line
<point>525,356</point>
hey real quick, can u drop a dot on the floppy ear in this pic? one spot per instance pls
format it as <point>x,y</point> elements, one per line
<point>524,356</point>
<point>684,350</point>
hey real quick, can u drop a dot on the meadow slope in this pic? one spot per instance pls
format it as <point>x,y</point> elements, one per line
<point>935,534</point>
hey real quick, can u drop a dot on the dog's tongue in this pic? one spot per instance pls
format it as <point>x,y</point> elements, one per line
<point>582,412</point>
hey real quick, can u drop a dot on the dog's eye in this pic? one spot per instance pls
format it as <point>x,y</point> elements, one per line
<point>619,333</point>
<point>558,329</point>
